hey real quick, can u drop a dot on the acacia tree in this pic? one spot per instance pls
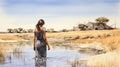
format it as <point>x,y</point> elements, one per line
<point>102,20</point>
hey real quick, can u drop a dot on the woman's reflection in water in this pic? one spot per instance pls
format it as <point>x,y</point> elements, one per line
<point>40,62</point>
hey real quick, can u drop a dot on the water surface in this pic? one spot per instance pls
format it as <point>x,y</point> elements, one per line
<point>22,55</point>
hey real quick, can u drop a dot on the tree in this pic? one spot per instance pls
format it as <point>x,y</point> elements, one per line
<point>102,20</point>
<point>64,30</point>
<point>81,26</point>
<point>30,30</point>
<point>20,30</point>
<point>24,31</point>
<point>15,30</point>
<point>10,30</point>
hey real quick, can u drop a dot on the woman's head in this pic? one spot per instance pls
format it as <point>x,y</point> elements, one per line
<point>40,24</point>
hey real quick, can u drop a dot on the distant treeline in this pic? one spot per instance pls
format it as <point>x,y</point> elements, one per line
<point>100,23</point>
<point>19,30</point>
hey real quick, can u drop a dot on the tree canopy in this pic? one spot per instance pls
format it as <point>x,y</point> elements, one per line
<point>102,20</point>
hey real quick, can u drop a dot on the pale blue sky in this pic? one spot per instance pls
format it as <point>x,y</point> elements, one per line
<point>58,14</point>
<point>61,7</point>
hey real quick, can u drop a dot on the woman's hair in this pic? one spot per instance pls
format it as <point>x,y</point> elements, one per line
<point>40,23</point>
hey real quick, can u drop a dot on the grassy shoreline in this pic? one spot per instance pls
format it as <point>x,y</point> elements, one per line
<point>109,39</point>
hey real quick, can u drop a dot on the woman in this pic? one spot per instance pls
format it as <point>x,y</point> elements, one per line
<point>40,40</point>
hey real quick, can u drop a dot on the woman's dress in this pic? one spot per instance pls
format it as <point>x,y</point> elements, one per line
<point>40,46</point>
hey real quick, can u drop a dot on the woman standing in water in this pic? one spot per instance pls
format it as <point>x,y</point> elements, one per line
<point>40,40</point>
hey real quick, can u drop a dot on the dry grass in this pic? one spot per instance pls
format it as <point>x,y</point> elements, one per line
<point>111,59</point>
<point>4,47</point>
<point>78,33</point>
<point>109,43</point>
<point>10,36</point>
<point>15,36</point>
<point>8,47</point>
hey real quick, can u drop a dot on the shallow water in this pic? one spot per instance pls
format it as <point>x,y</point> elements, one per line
<point>23,56</point>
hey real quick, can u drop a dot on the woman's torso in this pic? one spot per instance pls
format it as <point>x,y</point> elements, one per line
<point>40,34</point>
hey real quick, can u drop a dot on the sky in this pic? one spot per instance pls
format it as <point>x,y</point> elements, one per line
<point>58,14</point>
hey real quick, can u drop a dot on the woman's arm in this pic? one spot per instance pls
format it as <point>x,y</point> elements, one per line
<point>34,41</point>
<point>46,40</point>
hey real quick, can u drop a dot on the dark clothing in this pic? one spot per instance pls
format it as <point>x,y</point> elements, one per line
<point>40,46</point>
<point>39,36</point>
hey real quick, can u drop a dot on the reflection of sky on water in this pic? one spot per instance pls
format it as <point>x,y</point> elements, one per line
<point>20,59</point>
<point>59,57</point>
<point>23,56</point>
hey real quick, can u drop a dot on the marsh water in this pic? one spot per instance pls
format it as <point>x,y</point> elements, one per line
<point>21,54</point>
